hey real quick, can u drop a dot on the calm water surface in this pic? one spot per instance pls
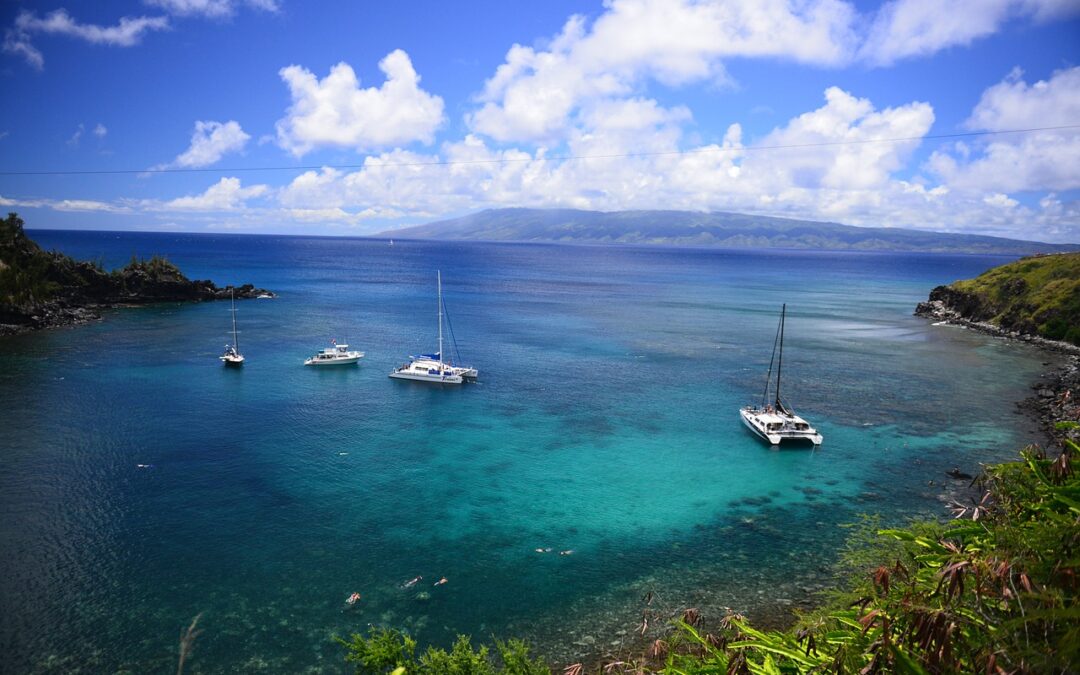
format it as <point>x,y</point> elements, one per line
<point>605,422</point>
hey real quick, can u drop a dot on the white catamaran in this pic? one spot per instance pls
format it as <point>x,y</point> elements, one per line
<point>432,367</point>
<point>776,423</point>
<point>232,355</point>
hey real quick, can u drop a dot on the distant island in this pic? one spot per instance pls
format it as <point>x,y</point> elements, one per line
<point>46,289</point>
<point>716,229</point>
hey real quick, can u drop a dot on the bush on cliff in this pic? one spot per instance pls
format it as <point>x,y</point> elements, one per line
<point>24,267</point>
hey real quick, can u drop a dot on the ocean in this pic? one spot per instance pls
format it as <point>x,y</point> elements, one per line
<point>142,483</point>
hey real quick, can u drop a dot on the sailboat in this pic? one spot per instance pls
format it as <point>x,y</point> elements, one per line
<point>776,422</point>
<point>432,367</point>
<point>232,355</point>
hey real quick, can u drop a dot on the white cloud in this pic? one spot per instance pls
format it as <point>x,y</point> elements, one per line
<point>210,141</point>
<point>335,111</point>
<point>1013,104</point>
<point>1039,160</point>
<point>225,195</point>
<point>213,9</point>
<point>70,205</point>
<point>534,95</point>
<point>77,136</point>
<point>128,32</point>
<point>100,131</point>
<point>908,28</point>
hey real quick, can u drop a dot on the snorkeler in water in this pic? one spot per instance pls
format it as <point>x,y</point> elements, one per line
<point>411,582</point>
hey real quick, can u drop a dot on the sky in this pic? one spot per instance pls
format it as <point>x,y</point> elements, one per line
<point>352,118</point>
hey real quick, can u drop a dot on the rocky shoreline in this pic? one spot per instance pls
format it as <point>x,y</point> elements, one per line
<point>1057,391</point>
<point>75,311</point>
<point>46,289</point>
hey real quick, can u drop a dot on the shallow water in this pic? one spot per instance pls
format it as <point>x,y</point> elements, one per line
<point>605,422</point>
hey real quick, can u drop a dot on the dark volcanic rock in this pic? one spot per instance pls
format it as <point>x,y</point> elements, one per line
<point>40,289</point>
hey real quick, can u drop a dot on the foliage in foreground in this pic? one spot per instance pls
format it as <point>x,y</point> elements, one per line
<point>388,650</point>
<point>993,591</point>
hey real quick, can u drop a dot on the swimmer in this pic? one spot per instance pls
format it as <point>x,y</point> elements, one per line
<point>353,599</point>
<point>566,552</point>
<point>539,550</point>
<point>411,582</point>
<point>144,466</point>
<point>440,582</point>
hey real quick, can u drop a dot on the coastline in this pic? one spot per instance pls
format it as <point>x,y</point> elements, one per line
<point>68,313</point>
<point>1056,390</point>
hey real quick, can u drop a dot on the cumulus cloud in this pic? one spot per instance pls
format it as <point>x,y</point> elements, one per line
<point>128,32</point>
<point>535,93</point>
<point>213,9</point>
<point>225,195</point>
<point>1040,160</point>
<point>335,111</point>
<point>210,142</point>
<point>100,131</point>
<point>909,28</point>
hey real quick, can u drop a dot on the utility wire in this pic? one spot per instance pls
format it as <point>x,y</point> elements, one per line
<point>553,158</point>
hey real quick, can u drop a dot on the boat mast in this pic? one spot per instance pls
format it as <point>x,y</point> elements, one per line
<point>439,277</point>
<point>772,361</point>
<point>235,342</point>
<point>780,362</point>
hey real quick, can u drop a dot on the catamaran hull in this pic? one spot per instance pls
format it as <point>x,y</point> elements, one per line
<point>230,361</point>
<point>434,379</point>
<point>783,436</point>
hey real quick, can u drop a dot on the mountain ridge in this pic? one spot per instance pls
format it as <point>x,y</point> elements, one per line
<point>716,229</point>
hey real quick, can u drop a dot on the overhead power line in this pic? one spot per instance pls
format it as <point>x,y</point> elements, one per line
<point>553,158</point>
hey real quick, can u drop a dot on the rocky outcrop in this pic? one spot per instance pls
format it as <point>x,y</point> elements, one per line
<point>1057,399</point>
<point>40,289</point>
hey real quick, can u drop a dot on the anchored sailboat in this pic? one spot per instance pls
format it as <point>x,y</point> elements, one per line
<point>432,367</point>
<point>776,422</point>
<point>232,355</point>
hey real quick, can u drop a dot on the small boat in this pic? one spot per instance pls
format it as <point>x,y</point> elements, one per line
<point>334,355</point>
<point>232,355</point>
<point>432,367</point>
<point>776,423</point>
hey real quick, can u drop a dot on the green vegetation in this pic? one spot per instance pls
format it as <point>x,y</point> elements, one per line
<point>157,268</point>
<point>992,591</point>
<point>386,650</point>
<point>31,277</point>
<point>24,267</point>
<point>1034,295</point>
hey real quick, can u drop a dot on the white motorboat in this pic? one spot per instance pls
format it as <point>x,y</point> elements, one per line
<point>776,423</point>
<point>432,367</point>
<point>232,355</point>
<point>334,355</point>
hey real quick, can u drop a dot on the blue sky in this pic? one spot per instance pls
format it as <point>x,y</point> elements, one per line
<point>410,112</point>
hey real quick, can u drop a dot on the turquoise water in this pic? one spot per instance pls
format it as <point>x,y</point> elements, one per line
<point>605,422</point>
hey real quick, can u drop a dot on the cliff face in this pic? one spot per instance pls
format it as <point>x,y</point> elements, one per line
<point>1037,296</point>
<point>40,289</point>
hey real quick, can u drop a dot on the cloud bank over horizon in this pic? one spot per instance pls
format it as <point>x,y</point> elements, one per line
<point>605,115</point>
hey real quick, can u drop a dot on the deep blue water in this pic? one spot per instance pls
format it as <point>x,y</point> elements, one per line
<point>605,422</point>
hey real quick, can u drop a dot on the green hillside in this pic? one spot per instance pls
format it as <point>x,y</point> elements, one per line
<point>1038,296</point>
